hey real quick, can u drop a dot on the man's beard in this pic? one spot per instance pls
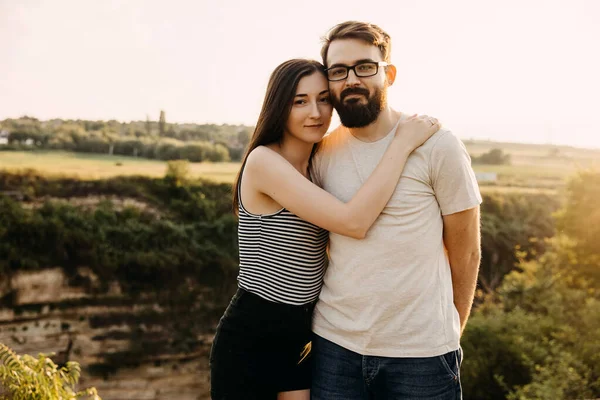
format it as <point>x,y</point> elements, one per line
<point>356,115</point>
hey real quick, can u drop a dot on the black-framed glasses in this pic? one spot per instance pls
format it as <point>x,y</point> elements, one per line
<point>362,70</point>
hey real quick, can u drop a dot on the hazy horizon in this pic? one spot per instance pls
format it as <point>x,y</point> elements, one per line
<point>517,71</point>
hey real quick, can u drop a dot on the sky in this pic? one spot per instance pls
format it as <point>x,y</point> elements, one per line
<point>511,70</point>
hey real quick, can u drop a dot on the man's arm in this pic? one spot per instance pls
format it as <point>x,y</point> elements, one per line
<point>462,242</point>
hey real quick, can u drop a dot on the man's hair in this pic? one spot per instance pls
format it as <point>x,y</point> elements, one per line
<point>369,33</point>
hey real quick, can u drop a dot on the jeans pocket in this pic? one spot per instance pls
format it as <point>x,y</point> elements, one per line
<point>450,363</point>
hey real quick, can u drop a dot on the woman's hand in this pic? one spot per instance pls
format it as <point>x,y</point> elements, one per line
<point>415,130</point>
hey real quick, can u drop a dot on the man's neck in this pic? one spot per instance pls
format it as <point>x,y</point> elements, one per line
<point>379,128</point>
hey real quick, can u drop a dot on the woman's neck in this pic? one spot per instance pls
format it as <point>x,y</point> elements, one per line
<point>296,152</point>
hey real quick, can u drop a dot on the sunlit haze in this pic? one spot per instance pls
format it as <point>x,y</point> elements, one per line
<point>516,70</point>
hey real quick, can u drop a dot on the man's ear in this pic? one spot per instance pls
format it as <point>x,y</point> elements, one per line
<point>390,74</point>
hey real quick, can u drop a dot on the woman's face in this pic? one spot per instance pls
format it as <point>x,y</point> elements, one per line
<point>311,110</point>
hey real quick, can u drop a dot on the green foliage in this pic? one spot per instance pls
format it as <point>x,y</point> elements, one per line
<point>178,171</point>
<point>512,225</point>
<point>580,221</point>
<point>28,378</point>
<point>188,233</point>
<point>492,157</point>
<point>519,354</point>
<point>538,336</point>
<point>193,142</point>
<point>493,362</point>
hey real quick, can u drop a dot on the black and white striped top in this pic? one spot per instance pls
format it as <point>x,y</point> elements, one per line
<point>282,257</point>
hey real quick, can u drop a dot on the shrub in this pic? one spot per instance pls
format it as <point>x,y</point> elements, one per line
<point>27,378</point>
<point>492,157</point>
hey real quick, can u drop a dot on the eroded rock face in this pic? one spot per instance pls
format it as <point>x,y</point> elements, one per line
<point>38,287</point>
<point>129,346</point>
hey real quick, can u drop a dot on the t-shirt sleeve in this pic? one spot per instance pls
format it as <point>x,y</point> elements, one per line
<point>453,178</point>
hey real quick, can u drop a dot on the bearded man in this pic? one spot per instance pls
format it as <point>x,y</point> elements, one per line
<point>393,306</point>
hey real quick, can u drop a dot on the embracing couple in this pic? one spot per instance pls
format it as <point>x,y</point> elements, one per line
<point>358,250</point>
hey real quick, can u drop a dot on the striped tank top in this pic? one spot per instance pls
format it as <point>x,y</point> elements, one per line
<point>282,257</point>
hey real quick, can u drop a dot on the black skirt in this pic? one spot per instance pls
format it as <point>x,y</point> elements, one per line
<point>260,348</point>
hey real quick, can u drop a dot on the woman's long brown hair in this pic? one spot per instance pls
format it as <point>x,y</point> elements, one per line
<point>276,107</point>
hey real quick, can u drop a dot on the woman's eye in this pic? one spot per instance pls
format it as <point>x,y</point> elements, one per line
<point>300,102</point>
<point>325,100</point>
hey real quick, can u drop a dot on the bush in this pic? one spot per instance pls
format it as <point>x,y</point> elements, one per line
<point>538,336</point>
<point>178,171</point>
<point>168,149</point>
<point>512,224</point>
<point>492,157</point>
<point>580,221</point>
<point>194,236</point>
<point>129,147</point>
<point>28,378</point>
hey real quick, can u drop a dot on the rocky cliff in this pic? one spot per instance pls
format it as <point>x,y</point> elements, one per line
<point>142,346</point>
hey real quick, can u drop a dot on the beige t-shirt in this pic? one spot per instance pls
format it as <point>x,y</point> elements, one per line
<point>390,294</point>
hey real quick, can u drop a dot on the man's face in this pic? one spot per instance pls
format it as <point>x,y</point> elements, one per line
<point>358,100</point>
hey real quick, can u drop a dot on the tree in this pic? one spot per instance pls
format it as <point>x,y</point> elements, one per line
<point>243,137</point>
<point>148,126</point>
<point>580,220</point>
<point>512,222</point>
<point>538,336</point>
<point>492,157</point>
<point>162,124</point>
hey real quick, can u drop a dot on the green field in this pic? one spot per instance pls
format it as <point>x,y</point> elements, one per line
<point>533,167</point>
<point>96,166</point>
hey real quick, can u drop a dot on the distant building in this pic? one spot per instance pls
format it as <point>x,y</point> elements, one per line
<point>486,176</point>
<point>4,137</point>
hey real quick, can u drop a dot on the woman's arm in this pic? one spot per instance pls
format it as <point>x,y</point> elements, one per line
<point>278,179</point>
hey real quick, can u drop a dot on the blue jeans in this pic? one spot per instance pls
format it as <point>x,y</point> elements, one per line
<point>341,374</point>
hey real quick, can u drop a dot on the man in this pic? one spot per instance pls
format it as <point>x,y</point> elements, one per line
<point>393,306</point>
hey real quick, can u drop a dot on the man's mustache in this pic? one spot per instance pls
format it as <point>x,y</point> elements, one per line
<point>349,91</point>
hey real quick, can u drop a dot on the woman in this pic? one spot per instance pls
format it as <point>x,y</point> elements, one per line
<point>261,347</point>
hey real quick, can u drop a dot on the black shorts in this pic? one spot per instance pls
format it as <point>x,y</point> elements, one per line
<point>260,349</point>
